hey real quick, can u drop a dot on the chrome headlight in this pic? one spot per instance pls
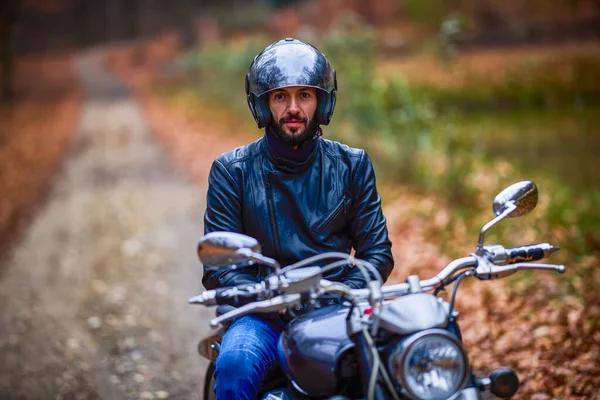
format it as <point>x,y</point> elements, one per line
<point>430,365</point>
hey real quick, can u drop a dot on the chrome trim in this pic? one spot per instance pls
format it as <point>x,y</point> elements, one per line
<point>468,394</point>
<point>484,384</point>
<point>448,272</point>
<point>510,207</point>
<point>524,195</point>
<point>403,348</point>
<point>401,289</point>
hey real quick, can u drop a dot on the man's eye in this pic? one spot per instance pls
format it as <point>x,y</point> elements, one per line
<point>278,96</point>
<point>305,95</point>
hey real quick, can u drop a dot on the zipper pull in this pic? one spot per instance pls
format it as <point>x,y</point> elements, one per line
<point>268,185</point>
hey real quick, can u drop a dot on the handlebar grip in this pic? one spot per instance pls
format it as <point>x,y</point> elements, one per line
<point>532,252</point>
<point>238,295</point>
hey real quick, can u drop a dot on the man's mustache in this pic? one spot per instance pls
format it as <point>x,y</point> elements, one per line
<point>287,118</point>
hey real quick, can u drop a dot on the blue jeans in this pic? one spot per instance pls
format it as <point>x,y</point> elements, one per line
<point>247,356</point>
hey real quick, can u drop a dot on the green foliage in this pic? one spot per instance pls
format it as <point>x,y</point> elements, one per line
<point>375,109</point>
<point>352,50</point>
<point>392,121</point>
<point>533,84</point>
<point>451,29</point>
<point>243,17</point>
<point>219,72</point>
<point>425,12</point>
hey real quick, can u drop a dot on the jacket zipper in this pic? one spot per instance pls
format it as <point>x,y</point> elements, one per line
<point>270,201</point>
<point>340,207</point>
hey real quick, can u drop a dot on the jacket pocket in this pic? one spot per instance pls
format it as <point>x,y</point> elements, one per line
<point>341,207</point>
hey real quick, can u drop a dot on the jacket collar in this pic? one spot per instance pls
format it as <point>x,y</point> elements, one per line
<point>284,158</point>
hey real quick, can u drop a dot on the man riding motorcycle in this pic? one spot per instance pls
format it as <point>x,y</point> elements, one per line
<point>296,193</point>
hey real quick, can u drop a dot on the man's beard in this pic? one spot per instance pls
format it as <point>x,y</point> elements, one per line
<point>297,138</point>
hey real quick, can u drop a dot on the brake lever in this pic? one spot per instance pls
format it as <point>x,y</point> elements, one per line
<point>487,270</point>
<point>502,271</point>
<point>265,306</point>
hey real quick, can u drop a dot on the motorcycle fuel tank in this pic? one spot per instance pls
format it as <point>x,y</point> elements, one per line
<point>310,347</point>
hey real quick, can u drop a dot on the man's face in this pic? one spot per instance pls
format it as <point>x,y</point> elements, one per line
<point>293,110</point>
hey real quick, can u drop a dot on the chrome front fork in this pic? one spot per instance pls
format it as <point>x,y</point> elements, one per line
<point>471,393</point>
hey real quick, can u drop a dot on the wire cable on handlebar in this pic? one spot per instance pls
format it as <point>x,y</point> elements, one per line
<point>313,259</point>
<point>340,288</point>
<point>341,263</point>
<point>345,258</point>
<point>443,285</point>
<point>371,268</point>
<point>362,265</point>
<point>377,368</point>
<point>389,383</point>
<point>334,265</point>
<point>374,371</point>
<point>455,289</point>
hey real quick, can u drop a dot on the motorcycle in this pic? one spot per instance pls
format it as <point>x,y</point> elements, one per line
<point>391,341</point>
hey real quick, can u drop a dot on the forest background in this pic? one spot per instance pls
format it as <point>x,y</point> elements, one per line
<point>453,99</point>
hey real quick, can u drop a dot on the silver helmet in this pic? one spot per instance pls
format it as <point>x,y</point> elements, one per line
<point>290,62</point>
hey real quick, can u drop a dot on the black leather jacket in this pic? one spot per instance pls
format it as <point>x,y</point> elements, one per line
<point>295,210</point>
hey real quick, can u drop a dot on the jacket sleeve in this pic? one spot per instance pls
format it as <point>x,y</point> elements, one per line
<point>224,213</point>
<point>368,230</point>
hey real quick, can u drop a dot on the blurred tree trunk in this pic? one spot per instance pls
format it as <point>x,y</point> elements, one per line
<point>147,13</point>
<point>8,16</point>
<point>113,20</point>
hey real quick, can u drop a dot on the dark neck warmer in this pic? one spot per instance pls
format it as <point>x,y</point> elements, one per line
<point>295,153</point>
<point>291,158</point>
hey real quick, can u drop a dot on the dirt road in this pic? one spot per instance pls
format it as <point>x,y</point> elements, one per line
<point>93,299</point>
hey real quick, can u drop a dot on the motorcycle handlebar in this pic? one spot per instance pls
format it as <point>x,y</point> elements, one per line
<point>513,256</point>
<point>439,279</point>
<point>240,295</point>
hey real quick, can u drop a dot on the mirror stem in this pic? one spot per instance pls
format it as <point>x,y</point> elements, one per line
<point>479,250</point>
<point>266,260</point>
<point>257,257</point>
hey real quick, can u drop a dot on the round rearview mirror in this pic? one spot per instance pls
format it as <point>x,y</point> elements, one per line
<point>524,195</point>
<point>221,249</point>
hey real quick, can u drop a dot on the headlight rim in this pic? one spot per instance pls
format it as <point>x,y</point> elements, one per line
<point>402,348</point>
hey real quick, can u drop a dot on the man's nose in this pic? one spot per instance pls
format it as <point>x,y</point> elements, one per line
<point>293,106</point>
